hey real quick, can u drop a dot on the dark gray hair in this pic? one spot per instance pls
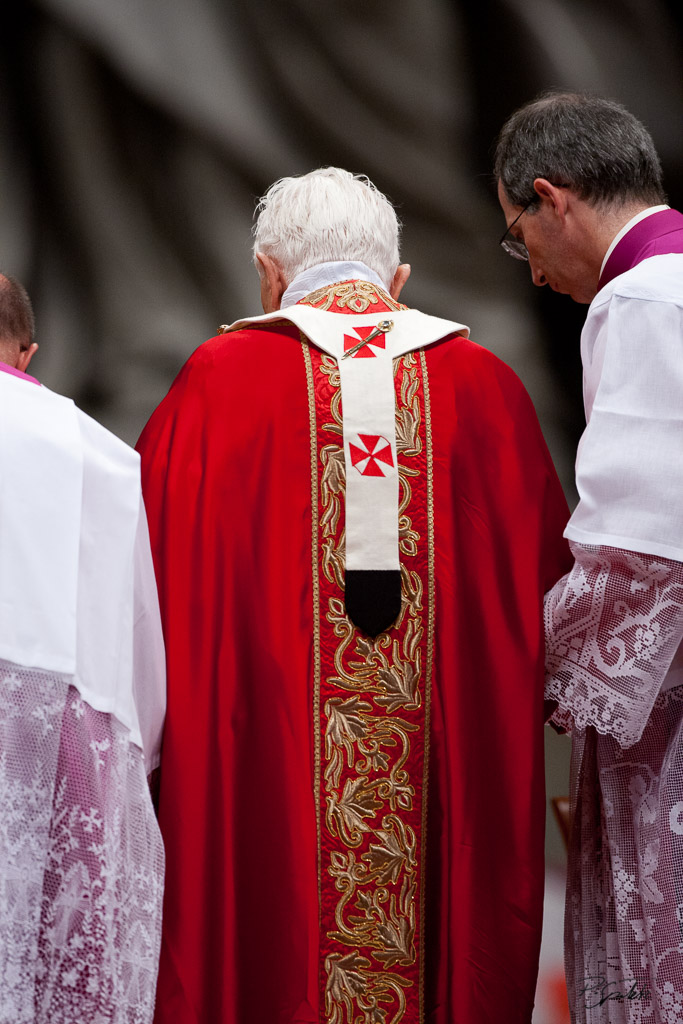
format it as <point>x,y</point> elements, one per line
<point>17,323</point>
<point>593,145</point>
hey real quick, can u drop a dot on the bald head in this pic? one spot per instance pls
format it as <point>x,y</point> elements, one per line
<point>17,324</point>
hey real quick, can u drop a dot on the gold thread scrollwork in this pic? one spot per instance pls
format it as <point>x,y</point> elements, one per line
<point>373,692</point>
<point>351,986</point>
<point>375,918</point>
<point>356,296</point>
<point>353,731</point>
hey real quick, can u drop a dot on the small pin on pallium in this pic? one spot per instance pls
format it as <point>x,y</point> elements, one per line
<point>382,327</point>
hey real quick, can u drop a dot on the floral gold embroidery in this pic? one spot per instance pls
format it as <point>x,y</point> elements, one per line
<point>354,296</point>
<point>351,986</point>
<point>374,697</point>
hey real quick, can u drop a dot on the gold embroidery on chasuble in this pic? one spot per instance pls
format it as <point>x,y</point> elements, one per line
<point>352,297</point>
<point>372,715</point>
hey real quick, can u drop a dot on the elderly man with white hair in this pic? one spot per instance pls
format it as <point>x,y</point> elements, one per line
<point>354,519</point>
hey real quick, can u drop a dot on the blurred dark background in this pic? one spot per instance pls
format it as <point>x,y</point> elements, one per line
<point>137,136</point>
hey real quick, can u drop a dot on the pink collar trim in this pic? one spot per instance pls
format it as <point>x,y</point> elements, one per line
<point>639,243</point>
<point>18,373</point>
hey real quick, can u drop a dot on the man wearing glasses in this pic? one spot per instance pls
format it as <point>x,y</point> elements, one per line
<point>579,182</point>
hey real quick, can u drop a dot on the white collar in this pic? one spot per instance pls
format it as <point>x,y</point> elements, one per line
<point>627,227</point>
<point>324,274</point>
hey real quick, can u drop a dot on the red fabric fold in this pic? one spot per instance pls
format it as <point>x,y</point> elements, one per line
<point>226,463</point>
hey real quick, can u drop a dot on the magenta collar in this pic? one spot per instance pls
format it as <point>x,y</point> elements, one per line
<point>18,373</point>
<point>656,235</point>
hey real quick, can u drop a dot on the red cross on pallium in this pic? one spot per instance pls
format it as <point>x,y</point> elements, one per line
<point>376,449</point>
<point>366,351</point>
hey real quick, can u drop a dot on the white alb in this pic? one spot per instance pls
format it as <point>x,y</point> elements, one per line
<point>614,627</point>
<point>82,700</point>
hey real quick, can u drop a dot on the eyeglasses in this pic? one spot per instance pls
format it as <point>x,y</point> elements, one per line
<point>515,247</point>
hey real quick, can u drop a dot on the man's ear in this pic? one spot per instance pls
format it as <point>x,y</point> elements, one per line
<point>273,283</point>
<point>25,356</point>
<point>400,277</point>
<point>555,198</point>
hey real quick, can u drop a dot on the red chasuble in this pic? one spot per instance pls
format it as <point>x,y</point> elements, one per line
<point>353,826</point>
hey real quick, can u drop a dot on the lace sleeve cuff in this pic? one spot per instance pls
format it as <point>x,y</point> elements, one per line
<point>612,626</point>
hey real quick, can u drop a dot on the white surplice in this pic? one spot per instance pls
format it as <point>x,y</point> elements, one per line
<point>82,701</point>
<point>614,627</point>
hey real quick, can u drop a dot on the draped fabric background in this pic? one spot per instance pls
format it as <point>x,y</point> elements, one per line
<point>136,136</point>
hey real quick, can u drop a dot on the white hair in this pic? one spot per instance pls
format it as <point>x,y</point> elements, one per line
<point>326,215</point>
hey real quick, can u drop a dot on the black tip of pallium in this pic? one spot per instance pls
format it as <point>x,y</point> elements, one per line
<point>373,598</point>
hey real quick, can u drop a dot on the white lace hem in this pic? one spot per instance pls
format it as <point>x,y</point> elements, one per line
<point>613,625</point>
<point>81,861</point>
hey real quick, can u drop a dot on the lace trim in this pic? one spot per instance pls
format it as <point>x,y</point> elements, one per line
<point>613,625</point>
<point>81,861</point>
<point>624,902</point>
